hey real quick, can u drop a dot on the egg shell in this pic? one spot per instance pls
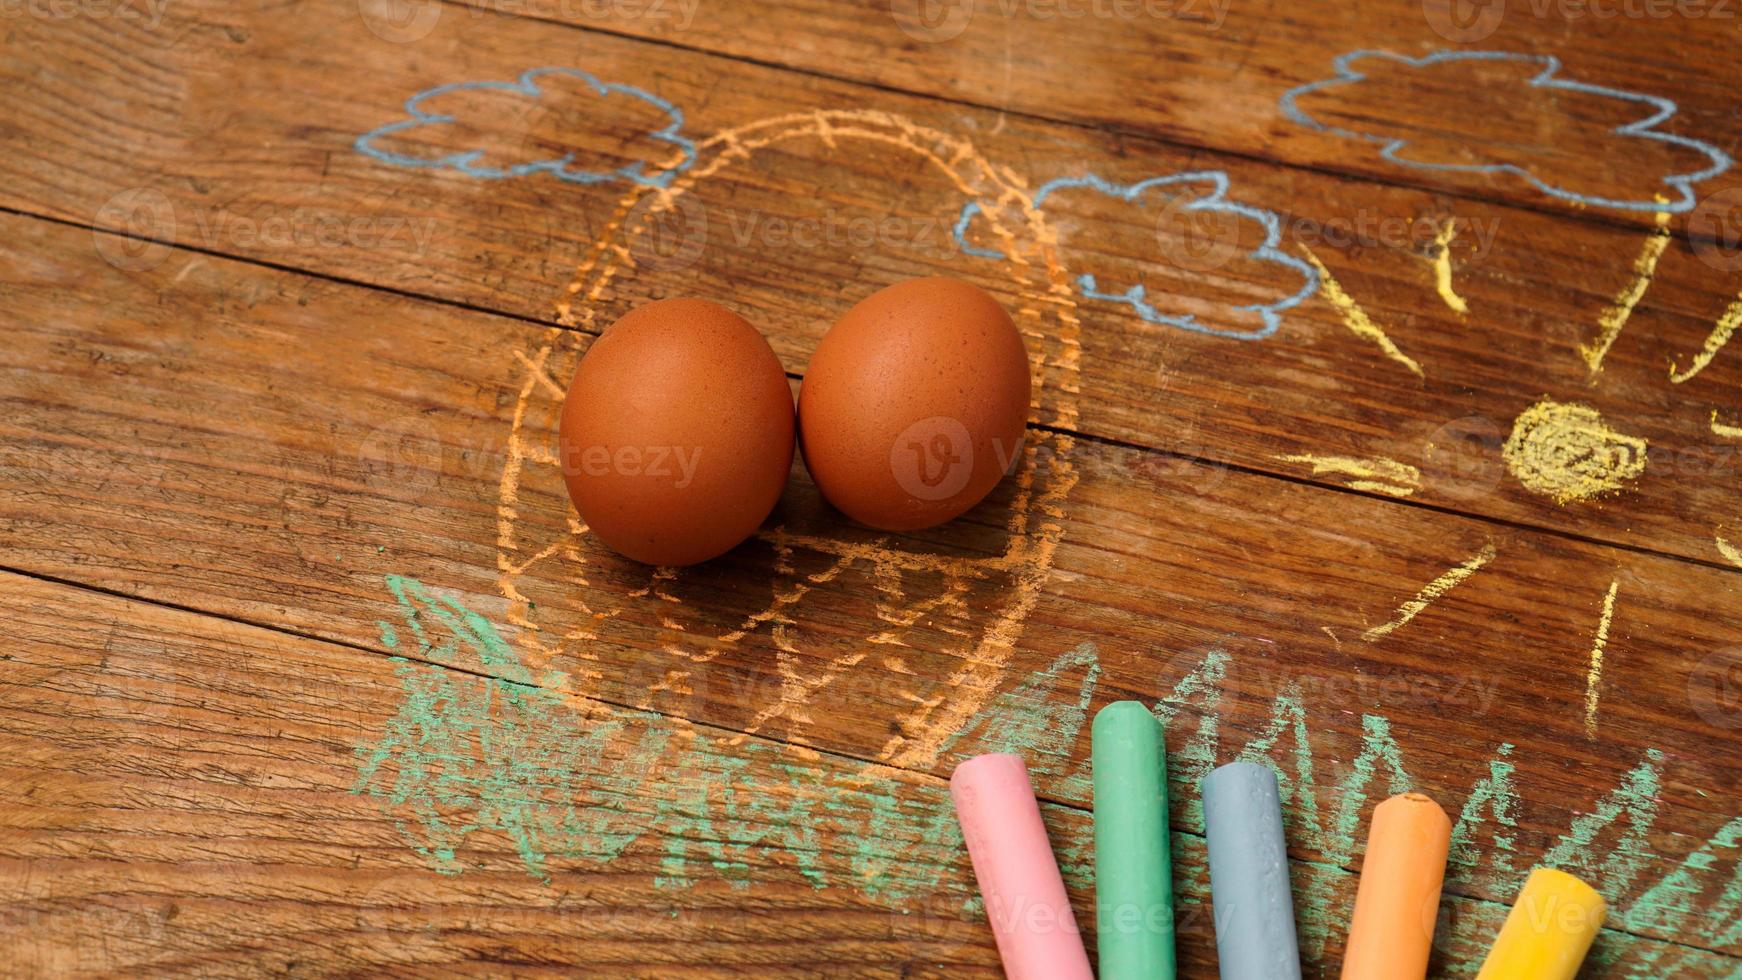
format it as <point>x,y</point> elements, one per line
<point>914,404</point>
<point>677,433</point>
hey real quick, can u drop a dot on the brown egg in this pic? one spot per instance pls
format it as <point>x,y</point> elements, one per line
<point>677,433</point>
<point>914,404</point>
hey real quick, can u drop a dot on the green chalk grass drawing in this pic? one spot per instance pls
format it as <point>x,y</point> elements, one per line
<point>499,754</point>
<point>580,784</point>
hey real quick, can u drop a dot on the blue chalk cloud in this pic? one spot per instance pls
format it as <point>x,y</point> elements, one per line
<point>1135,296</point>
<point>562,167</point>
<point>1656,111</point>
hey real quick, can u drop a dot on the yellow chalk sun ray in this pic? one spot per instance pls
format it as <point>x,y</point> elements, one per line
<point>1355,318</point>
<point>1620,309</point>
<point>1564,451</point>
<point>1450,579</point>
<point>1594,675</point>
<point>1442,266</point>
<point>1378,475</point>
<point>1715,341</point>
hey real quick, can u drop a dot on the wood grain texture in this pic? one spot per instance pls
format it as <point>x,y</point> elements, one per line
<point>282,183</point>
<point>148,443</point>
<point>187,801</point>
<point>181,800</point>
<point>1209,73</point>
<point>314,671</point>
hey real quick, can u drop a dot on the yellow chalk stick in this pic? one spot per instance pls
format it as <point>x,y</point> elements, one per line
<point>1548,931</point>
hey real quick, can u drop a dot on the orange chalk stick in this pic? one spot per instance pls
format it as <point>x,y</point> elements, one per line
<point>1399,897</point>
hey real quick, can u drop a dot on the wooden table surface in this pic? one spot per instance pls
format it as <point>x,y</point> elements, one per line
<point>1384,433</point>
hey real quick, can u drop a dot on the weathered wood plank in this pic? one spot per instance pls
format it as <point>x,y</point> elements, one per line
<point>835,206</point>
<point>185,797</point>
<point>201,797</point>
<point>217,436</point>
<point>1211,73</point>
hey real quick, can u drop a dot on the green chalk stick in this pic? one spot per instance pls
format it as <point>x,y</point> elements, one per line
<point>1133,868</point>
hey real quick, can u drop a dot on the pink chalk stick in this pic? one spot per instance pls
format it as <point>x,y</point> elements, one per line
<point>1025,897</point>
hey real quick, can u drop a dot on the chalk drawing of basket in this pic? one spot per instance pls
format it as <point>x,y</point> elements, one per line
<point>929,627</point>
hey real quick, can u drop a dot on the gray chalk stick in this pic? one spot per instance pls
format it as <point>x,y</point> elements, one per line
<point>1250,898</point>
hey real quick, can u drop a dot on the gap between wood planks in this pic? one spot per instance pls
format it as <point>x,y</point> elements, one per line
<point>1209,461</point>
<point>925,775</point>
<point>1142,136</point>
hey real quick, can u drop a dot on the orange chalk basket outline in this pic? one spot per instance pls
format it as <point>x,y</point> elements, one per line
<point>1047,314</point>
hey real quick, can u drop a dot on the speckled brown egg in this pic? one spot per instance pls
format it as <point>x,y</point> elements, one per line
<point>914,404</point>
<point>677,433</point>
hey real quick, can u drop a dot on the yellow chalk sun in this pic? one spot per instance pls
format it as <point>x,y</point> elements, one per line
<point>1567,452</point>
